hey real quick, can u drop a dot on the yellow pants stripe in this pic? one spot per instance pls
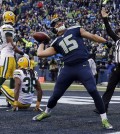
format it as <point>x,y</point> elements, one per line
<point>9,93</point>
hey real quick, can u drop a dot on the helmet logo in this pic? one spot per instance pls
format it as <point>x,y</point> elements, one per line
<point>8,17</point>
<point>21,60</point>
<point>11,14</point>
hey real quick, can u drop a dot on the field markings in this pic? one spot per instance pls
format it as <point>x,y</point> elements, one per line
<point>114,133</point>
<point>72,100</point>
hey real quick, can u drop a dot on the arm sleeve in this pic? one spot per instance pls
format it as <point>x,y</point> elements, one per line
<point>109,30</point>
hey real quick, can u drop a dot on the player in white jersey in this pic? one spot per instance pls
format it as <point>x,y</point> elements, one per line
<point>26,80</point>
<point>8,48</point>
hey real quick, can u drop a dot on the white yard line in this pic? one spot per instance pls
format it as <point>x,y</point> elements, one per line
<point>114,133</point>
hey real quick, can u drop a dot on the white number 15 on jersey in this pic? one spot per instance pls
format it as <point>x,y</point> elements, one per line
<point>68,44</point>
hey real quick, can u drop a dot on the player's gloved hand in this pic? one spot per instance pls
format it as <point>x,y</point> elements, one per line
<point>25,55</point>
<point>15,109</point>
<point>15,106</point>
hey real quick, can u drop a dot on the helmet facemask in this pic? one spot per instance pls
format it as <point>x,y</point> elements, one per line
<point>57,25</point>
<point>60,28</point>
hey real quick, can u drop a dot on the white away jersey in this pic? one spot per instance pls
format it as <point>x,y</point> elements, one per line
<point>27,86</point>
<point>6,48</point>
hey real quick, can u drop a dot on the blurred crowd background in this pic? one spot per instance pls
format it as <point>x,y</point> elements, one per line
<point>35,15</point>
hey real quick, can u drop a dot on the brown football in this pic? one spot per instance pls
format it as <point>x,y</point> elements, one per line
<point>41,37</point>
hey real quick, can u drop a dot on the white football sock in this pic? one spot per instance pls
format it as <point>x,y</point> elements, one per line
<point>48,110</point>
<point>103,116</point>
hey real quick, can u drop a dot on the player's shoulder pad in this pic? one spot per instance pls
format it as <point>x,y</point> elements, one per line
<point>18,72</point>
<point>73,27</point>
<point>7,27</point>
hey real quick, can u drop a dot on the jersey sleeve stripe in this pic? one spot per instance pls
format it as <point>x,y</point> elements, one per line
<point>17,73</point>
<point>8,30</point>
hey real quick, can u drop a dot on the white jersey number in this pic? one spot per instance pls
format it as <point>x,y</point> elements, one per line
<point>68,44</point>
<point>29,84</point>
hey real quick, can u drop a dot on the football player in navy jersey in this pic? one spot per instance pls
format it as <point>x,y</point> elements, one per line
<point>70,44</point>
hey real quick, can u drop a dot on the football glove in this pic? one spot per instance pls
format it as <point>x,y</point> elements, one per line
<point>15,109</point>
<point>15,106</point>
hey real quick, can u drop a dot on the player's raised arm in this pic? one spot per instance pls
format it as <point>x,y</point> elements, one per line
<point>107,25</point>
<point>43,39</point>
<point>93,37</point>
<point>45,53</point>
<point>16,49</point>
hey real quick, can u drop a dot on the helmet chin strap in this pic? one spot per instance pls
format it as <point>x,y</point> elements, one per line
<point>61,28</point>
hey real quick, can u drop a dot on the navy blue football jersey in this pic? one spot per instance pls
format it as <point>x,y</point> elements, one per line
<point>71,46</point>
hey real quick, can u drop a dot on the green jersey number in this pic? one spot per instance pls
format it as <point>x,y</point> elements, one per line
<point>29,85</point>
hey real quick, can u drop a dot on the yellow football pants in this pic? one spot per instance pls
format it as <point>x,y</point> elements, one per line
<point>9,93</point>
<point>8,68</point>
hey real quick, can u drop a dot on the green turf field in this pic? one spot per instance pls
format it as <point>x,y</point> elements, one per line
<point>50,86</point>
